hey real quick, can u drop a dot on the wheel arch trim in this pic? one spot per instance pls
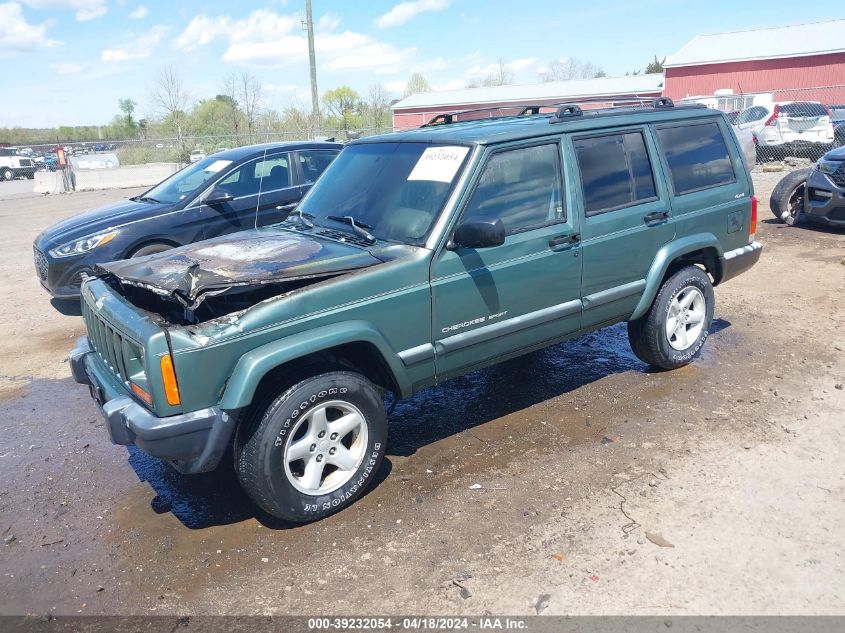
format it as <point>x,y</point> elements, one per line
<point>253,366</point>
<point>667,254</point>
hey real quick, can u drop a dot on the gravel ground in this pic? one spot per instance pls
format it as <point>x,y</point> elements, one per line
<point>603,488</point>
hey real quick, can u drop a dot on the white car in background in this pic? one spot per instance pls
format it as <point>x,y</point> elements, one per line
<point>197,155</point>
<point>788,128</point>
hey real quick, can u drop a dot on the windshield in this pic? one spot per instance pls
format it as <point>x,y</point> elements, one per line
<point>393,190</point>
<point>186,181</point>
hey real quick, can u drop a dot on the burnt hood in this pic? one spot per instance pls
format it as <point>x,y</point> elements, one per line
<point>258,256</point>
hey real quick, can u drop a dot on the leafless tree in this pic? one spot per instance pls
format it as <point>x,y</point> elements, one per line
<point>501,76</point>
<point>249,98</point>
<point>378,107</point>
<point>417,83</point>
<point>170,98</point>
<point>230,91</point>
<point>571,68</point>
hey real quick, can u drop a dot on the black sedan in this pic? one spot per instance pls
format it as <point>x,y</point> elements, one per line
<point>223,193</point>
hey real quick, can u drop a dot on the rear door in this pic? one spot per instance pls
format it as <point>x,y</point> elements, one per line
<point>627,218</point>
<point>491,302</point>
<point>279,189</point>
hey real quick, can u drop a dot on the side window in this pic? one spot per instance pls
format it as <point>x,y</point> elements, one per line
<point>615,171</point>
<point>697,156</point>
<point>314,162</point>
<point>275,171</point>
<point>521,187</point>
<point>751,114</point>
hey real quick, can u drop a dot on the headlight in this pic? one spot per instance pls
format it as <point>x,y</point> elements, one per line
<point>828,166</point>
<point>83,245</point>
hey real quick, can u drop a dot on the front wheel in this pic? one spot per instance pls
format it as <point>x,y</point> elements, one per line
<point>674,329</point>
<point>315,449</point>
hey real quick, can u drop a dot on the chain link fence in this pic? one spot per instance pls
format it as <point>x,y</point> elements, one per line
<point>791,127</point>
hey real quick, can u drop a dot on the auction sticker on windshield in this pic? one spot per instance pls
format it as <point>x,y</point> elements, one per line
<point>439,164</point>
<point>217,166</point>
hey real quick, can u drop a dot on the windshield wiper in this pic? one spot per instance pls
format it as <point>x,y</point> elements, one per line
<point>359,227</point>
<point>145,199</point>
<point>304,217</point>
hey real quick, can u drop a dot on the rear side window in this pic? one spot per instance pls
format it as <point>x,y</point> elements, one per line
<point>521,187</point>
<point>803,108</point>
<point>751,114</point>
<point>615,171</point>
<point>697,156</point>
<point>314,162</point>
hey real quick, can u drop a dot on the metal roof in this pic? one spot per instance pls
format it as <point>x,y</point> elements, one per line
<point>796,40</point>
<point>505,129</point>
<point>552,90</point>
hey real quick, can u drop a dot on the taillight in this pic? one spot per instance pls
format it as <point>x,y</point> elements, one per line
<point>752,226</point>
<point>168,377</point>
<point>773,120</point>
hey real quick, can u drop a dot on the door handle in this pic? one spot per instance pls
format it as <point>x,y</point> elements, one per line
<point>655,216</point>
<point>286,207</point>
<point>565,240</point>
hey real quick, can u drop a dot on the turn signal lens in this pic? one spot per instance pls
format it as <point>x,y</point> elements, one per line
<point>143,395</point>
<point>168,377</point>
<point>752,226</point>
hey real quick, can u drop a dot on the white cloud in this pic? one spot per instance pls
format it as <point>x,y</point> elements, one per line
<point>66,68</point>
<point>479,71</point>
<point>139,13</point>
<point>139,48</point>
<point>266,38</point>
<point>19,36</point>
<point>85,9</point>
<point>405,11</point>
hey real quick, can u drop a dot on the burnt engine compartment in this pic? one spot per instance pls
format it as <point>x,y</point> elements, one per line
<point>210,305</point>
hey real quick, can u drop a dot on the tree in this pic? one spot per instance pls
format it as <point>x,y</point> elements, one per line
<point>571,68</point>
<point>417,83</point>
<point>170,98</point>
<point>501,76</point>
<point>230,91</point>
<point>377,107</point>
<point>127,106</point>
<point>655,66</point>
<point>343,105</point>
<point>249,92</point>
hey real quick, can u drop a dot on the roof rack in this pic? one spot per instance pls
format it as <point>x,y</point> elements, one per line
<point>452,117</point>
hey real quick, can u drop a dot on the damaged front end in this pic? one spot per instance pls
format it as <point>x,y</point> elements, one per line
<point>207,280</point>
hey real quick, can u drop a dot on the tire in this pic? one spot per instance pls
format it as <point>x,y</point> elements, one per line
<point>150,249</point>
<point>653,338</point>
<point>787,201</point>
<point>30,176</point>
<point>299,489</point>
<point>7,174</point>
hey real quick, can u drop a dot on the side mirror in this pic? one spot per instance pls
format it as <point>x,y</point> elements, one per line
<point>218,196</point>
<point>479,234</point>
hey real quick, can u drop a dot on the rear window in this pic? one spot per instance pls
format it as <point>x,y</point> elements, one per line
<point>615,171</point>
<point>803,108</point>
<point>697,156</point>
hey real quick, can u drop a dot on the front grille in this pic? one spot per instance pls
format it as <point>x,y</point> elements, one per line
<point>109,344</point>
<point>340,236</point>
<point>838,177</point>
<point>41,265</point>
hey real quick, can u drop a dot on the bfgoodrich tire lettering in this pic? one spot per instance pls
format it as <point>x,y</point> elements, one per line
<point>649,336</point>
<point>263,463</point>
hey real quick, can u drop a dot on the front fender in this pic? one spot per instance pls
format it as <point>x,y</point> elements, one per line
<point>255,364</point>
<point>665,256</point>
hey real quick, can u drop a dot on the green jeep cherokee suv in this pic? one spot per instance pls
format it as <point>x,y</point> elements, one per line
<point>417,257</point>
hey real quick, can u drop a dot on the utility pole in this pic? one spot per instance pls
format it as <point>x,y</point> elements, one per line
<point>315,100</point>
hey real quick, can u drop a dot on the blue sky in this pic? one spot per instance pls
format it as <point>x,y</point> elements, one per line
<point>69,61</point>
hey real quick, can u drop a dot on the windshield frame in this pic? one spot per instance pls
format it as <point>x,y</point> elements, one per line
<point>424,241</point>
<point>192,195</point>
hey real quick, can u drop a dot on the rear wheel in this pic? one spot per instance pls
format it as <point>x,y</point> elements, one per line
<point>676,325</point>
<point>7,174</point>
<point>788,196</point>
<point>315,449</point>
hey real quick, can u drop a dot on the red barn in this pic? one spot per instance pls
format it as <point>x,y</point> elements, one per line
<point>417,109</point>
<point>797,62</point>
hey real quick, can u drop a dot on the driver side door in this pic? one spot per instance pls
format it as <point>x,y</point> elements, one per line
<point>502,300</point>
<point>238,213</point>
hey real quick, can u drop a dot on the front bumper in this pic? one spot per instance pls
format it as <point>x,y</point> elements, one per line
<point>824,202</point>
<point>192,442</point>
<point>60,277</point>
<point>739,260</point>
